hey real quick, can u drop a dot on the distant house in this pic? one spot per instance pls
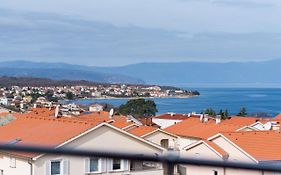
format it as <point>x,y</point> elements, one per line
<point>4,101</point>
<point>27,99</point>
<point>96,108</point>
<point>169,119</point>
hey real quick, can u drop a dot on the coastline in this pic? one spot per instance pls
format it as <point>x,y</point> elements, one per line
<point>131,98</point>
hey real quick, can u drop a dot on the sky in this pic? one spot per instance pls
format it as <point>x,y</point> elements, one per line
<point>113,33</point>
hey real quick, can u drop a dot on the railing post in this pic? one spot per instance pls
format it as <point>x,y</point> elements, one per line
<point>170,168</point>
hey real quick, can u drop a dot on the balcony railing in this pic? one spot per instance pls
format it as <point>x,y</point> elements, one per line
<point>169,159</point>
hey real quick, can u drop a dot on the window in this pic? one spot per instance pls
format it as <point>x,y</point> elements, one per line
<point>116,164</point>
<point>12,162</point>
<point>215,172</point>
<point>94,164</point>
<point>55,167</point>
<point>165,143</point>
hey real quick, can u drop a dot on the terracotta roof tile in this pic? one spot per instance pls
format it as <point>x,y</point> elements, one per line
<point>42,131</point>
<point>193,127</point>
<point>121,125</point>
<point>172,116</point>
<point>142,130</point>
<point>102,116</point>
<point>262,145</point>
<point>278,117</point>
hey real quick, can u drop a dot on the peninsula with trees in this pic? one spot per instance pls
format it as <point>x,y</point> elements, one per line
<point>23,92</point>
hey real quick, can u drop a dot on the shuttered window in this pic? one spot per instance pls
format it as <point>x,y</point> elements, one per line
<point>57,167</point>
<point>116,164</point>
<point>95,164</point>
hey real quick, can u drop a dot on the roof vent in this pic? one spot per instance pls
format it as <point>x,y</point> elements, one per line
<point>13,142</point>
<point>4,120</point>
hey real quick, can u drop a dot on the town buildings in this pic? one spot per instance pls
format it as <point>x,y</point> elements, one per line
<point>24,98</point>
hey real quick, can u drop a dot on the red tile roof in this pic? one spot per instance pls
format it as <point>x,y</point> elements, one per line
<point>278,117</point>
<point>42,131</point>
<point>172,116</point>
<point>120,124</point>
<point>102,116</point>
<point>142,130</point>
<point>216,148</point>
<point>262,145</point>
<point>193,127</point>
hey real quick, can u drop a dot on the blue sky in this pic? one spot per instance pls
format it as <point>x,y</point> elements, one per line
<point>110,32</point>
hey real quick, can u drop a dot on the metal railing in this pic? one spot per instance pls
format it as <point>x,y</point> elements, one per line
<point>170,158</point>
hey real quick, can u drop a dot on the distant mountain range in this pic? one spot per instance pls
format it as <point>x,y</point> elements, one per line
<point>202,74</point>
<point>175,74</point>
<point>62,71</point>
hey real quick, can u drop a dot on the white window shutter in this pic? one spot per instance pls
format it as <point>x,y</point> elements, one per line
<point>103,165</point>
<point>126,165</point>
<point>65,165</point>
<point>110,165</point>
<point>48,168</point>
<point>87,165</point>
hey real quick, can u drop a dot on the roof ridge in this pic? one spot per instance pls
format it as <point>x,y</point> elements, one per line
<point>72,120</point>
<point>260,131</point>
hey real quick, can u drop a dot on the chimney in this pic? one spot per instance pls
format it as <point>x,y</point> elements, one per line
<point>201,117</point>
<point>57,110</point>
<point>218,119</point>
<point>275,126</point>
<point>205,118</point>
<point>111,113</point>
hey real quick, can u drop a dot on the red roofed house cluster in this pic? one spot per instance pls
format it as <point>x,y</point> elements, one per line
<point>236,139</point>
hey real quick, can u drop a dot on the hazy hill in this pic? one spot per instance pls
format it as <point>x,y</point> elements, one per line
<point>174,74</point>
<point>190,73</point>
<point>40,82</point>
<point>61,71</point>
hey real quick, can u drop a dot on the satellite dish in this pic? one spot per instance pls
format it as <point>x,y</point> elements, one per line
<point>57,111</point>
<point>267,126</point>
<point>111,112</point>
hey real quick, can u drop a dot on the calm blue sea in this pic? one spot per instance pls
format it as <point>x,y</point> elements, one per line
<point>255,100</point>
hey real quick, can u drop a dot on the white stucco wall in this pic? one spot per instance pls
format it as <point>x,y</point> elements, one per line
<point>103,139</point>
<point>157,136</point>
<point>164,123</point>
<point>201,152</point>
<point>185,141</point>
<point>22,167</point>
<point>234,153</point>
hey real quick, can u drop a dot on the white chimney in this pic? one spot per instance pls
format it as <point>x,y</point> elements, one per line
<point>111,113</point>
<point>275,126</point>
<point>205,118</point>
<point>201,117</point>
<point>57,111</point>
<point>218,119</point>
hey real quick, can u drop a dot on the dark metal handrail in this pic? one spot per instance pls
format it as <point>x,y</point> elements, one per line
<point>170,157</point>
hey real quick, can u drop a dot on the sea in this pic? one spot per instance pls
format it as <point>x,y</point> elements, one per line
<point>255,100</point>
